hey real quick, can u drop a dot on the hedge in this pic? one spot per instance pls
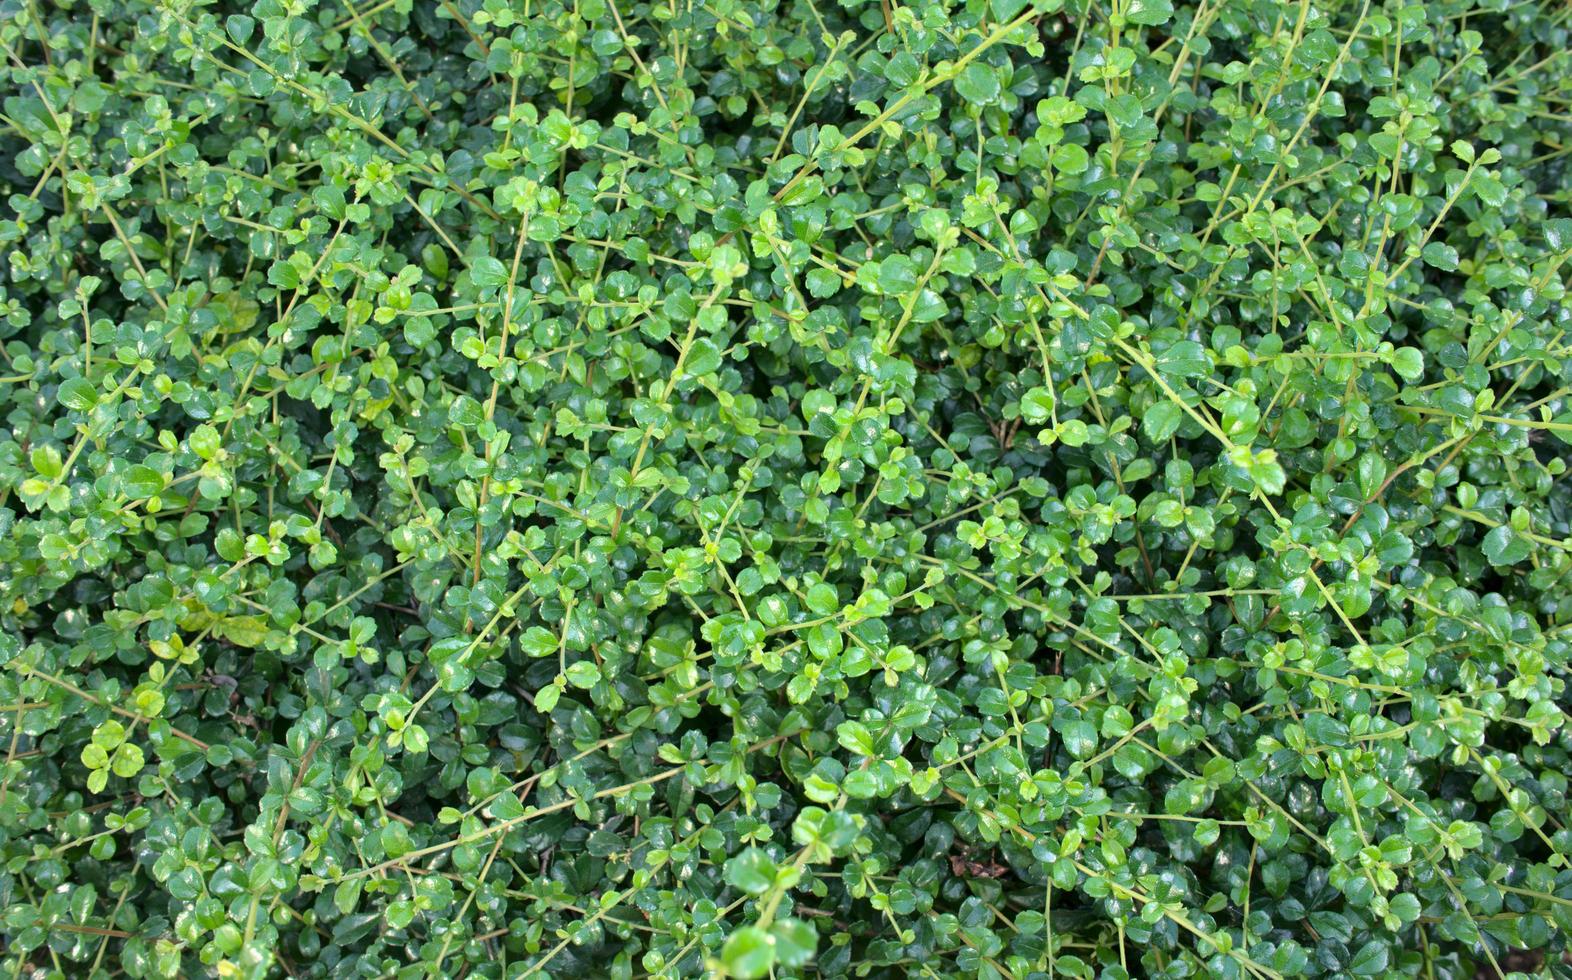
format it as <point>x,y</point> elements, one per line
<point>659,488</point>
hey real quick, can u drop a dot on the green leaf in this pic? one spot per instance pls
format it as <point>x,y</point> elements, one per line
<point>1371,960</point>
<point>1161,421</point>
<point>395,840</point>
<point>824,641</point>
<point>822,599</point>
<point>928,307</point>
<point>1408,363</point>
<point>538,641</point>
<point>1070,159</point>
<point>416,740</point>
<point>239,27</point>
<point>1503,547</point>
<point>703,358</point>
<point>1184,361</point>
<point>47,462</point>
<point>1441,256</point>
<point>796,941</point>
<point>1037,404</point>
<point>546,698</point>
<point>205,442</point>
<point>1372,475</point>
<point>346,897</point>
<point>978,83</point>
<point>142,482</point>
<point>1080,739</point>
<point>1489,190</point>
<point>1149,12</point>
<point>78,395</point>
<point>583,674</point>
<point>897,275</point>
<point>466,411</point>
<point>1268,476</point>
<point>751,871</point>
<point>488,272</point>
<point>822,283</point>
<point>749,953</point>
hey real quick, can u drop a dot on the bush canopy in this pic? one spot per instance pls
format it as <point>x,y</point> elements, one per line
<point>657,488</point>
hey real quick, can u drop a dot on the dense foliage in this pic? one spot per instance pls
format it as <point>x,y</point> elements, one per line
<point>608,488</point>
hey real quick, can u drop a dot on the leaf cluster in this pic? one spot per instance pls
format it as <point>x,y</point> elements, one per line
<point>657,488</point>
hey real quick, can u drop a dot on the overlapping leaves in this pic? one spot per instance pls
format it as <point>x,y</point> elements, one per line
<point>1002,489</point>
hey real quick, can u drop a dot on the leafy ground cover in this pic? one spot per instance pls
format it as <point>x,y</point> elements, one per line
<point>621,488</point>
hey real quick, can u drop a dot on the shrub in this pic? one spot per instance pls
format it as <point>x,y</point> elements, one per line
<point>615,488</point>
